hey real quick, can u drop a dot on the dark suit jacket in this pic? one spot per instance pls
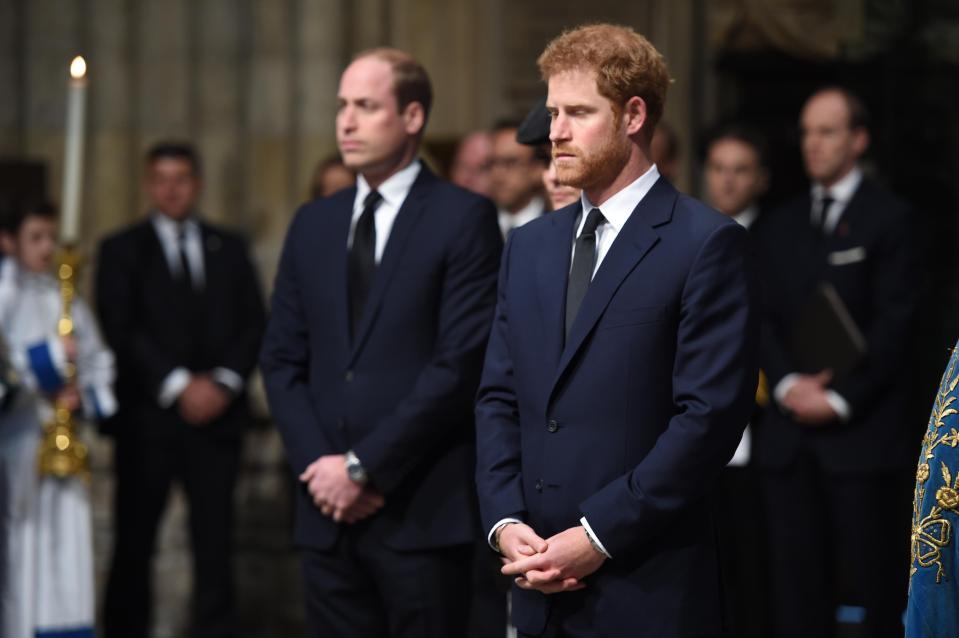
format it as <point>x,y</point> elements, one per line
<point>871,261</point>
<point>152,331</point>
<point>401,394</point>
<point>631,421</point>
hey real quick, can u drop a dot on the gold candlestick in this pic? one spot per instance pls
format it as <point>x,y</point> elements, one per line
<point>61,452</point>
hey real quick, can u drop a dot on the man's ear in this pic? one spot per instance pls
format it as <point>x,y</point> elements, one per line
<point>414,116</point>
<point>634,115</point>
<point>763,185</point>
<point>860,140</point>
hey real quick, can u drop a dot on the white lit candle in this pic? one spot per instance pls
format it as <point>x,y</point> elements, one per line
<point>73,153</point>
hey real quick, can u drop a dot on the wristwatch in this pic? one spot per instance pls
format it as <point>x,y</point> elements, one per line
<point>496,535</point>
<point>355,469</point>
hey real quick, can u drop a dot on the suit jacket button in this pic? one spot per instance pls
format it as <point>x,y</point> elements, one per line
<point>340,425</point>
<point>552,425</point>
<point>539,485</point>
<point>348,376</point>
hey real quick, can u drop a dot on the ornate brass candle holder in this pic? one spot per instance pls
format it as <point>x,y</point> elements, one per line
<point>61,452</point>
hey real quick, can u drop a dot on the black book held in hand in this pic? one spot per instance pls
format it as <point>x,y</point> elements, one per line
<point>826,337</point>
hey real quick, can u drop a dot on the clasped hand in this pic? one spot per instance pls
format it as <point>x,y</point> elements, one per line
<point>806,399</point>
<point>557,564</point>
<point>335,494</point>
<point>203,401</point>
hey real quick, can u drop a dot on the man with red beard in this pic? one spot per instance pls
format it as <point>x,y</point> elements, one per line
<point>620,370</point>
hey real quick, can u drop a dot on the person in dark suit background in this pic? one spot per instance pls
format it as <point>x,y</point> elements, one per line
<point>516,178</point>
<point>380,316</point>
<point>736,178</point>
<point>830,447</point>
<point>180,304</point>
<point>736,175</point>
<point>620,372</point>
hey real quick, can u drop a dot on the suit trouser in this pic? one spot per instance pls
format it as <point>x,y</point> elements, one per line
<point>361,588</point>
<point>488,607</point>
<point>741,551</point>
<point>835,539</point>
<point>207,466</point>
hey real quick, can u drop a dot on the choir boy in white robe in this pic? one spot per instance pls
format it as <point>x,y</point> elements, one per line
<point>48,562</point>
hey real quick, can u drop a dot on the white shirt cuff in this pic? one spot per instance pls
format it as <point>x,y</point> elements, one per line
<point>489,537</point>
<point>594,537</point>
<point>174,385</point>
<point>229,378</point>
<point>839,404</point>
<point>98,402</point>
<point>784,386</point>
<point>741,456</point>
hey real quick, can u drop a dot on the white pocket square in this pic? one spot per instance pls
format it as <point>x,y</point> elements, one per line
<point>846,257</point>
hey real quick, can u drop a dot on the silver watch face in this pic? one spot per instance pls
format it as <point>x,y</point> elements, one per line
<point>356,472</point>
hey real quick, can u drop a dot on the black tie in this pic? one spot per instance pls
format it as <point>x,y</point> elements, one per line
<point>824,205</point>
<point>584,260</point>
<point>186,275</point>
<point>190,307</point>
<point>362,260</point>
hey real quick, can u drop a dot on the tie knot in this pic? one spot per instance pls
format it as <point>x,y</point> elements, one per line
<point>373,198</point>
<point>827,201</point>
<point>593,220</point>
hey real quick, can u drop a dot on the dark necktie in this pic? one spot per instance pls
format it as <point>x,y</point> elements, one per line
<point>186,275</point>
<point>584,260</point>
<point>362,259</point>
<point>190,307</point>
<point>824,205</point>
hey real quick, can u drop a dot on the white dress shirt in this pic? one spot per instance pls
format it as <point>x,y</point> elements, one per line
<point>746,216</point>
<point>168,232</point>
<point>508,221</point>
<point>394,191</point>
<point>841,192</point>
<point>616,211</point>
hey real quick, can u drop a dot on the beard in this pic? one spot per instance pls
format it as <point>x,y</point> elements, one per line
<point>598,168</point>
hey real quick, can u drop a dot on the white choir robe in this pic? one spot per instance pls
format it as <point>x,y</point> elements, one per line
<point>49,589</point>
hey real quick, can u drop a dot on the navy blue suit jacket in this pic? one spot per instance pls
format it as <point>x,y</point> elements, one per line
<point>401,395</point>
<point>630,421</point>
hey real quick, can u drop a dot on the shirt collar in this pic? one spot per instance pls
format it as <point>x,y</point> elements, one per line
<point>396,187</point>
<point>746,216</point>
<point>620,206</point>
<point>527,213</point>
<point>843,190</point>
<point>170,229</point>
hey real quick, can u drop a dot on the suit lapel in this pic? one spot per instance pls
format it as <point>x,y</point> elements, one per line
<point>338,258</point>
<point>403,226</point>
<point>630,247</point>
<point>552,273</point>
<point>212,244</point>
<point>154,253</point>
<point>852,213</point>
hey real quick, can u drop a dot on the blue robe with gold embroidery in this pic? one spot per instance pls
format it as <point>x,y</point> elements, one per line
<point>933,609</point>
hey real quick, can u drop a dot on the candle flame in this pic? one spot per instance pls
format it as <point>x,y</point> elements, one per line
<point>78,68</point>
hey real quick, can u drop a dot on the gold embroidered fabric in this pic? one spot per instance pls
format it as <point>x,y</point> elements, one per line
<point>933,518</point>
